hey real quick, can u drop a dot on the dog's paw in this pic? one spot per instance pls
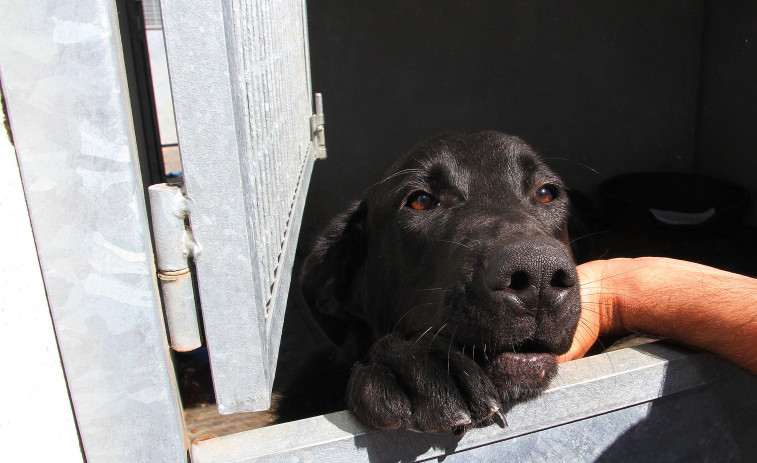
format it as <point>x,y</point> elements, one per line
<point>426,386</point>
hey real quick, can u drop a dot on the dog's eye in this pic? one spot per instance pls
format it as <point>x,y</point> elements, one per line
<point>546,194</point>
<point>420,200</point>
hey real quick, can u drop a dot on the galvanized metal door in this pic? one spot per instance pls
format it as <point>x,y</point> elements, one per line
<point>241,88</point>
<point>64,81</point>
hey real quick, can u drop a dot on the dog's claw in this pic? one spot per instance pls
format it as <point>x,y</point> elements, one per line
<point>462,419</point>
<point>499,418</point>
<point>460,431</point>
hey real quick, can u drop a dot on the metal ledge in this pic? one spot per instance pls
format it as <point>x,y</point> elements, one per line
<point>628,381</point>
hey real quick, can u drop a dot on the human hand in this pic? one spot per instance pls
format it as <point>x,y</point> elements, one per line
<point>691,303</point>
<point>599,297</point>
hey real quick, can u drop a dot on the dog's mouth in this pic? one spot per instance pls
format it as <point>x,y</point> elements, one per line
<point>529,366</point>
<point>522,371</point>
<point>531,346</point>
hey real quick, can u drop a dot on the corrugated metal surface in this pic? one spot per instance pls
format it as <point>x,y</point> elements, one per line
<point>269,42</point>
<point>151,11</point>
<point>240,82</point>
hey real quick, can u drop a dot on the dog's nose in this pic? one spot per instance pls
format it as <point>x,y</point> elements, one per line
<point>532,274</point>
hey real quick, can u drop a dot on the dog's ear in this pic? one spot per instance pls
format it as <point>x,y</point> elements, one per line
<point>328,274</point>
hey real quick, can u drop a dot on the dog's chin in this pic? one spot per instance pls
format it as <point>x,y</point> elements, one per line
<point>522,375</point>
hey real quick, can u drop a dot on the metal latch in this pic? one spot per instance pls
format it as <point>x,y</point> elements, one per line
<point>174,246</point>
<point>317,128</point>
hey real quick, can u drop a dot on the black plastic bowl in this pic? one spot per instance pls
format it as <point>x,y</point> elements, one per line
<point>672,200</point>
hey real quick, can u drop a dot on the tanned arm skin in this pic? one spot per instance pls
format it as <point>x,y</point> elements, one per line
<point>698,305</point>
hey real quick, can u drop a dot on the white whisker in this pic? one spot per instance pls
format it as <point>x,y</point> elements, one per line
<point>423,334</point>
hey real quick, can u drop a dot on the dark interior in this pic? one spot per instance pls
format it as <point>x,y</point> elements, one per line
<point>598,88</point>
<point>613,86</point>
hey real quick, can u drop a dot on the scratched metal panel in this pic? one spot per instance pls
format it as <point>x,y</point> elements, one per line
<point>240,83</point>
<point>63,77</point>
<point>609,404</point>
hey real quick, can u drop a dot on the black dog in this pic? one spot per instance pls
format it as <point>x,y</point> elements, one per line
<point>453,283</point>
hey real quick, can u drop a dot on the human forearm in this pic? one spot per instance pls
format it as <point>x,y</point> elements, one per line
<point>698,305</point>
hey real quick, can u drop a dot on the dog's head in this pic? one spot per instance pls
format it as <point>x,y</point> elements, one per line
<point>464,238</point>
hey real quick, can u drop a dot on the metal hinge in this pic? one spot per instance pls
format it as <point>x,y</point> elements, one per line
<point>174,246</point>
<point>317,128</point>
